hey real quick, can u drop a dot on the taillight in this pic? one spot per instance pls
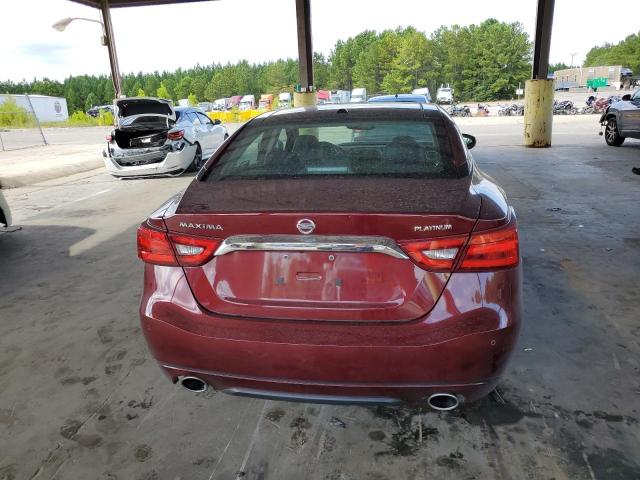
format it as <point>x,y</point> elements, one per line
<point>161,248</point>
<point>438,255</point>
<point>175,135</point>
<point>154,247</point>
<point>483,251</point>
<point>193,251</point>
<point>109,137</point>
<point>492,249</point>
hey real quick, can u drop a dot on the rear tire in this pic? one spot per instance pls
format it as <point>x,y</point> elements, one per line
<point>612,135</point>
<point>197,160</point>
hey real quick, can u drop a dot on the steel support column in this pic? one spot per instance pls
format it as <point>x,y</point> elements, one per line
<point>305,48</point>
<point>111,46</point>
<point>538,92</point>
<point>544,22</point>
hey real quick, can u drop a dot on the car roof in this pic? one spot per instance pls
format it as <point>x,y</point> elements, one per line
<point>401,97</point>
<point>353,112</point>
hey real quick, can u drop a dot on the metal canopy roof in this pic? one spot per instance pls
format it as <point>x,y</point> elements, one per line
<point>133,3</point>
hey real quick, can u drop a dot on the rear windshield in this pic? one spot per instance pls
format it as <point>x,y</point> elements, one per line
<point>405,149</point>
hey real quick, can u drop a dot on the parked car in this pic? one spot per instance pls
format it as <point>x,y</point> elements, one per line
<point>400,97</point>
<point>5,213</point>
<point>444,95</point>
<point>154,138</point>
<point>303,265</point>
<point>621,120</point>
<point>423,91</point>
<point>95,111</point>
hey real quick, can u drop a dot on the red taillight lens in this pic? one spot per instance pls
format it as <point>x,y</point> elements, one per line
<point>109,138</point>
<point>175,135</point>
<point>484,251</point>
<point>154,247</point>
<point>161,248</point>
<point>193,251</point>
<point>438,255</point>
<point>493,249</point>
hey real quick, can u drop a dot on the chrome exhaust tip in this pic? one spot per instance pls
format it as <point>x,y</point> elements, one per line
<point>443,401</point>
<point>193,384</point>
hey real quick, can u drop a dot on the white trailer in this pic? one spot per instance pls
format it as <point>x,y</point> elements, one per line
<point>358,95</point>
<point>45,108</point>
<point>340,96</point>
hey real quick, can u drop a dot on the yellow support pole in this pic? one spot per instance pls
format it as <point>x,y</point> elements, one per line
<point>538,113</point>
<point>307,99</point>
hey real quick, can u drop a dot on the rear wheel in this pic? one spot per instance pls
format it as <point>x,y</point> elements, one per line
<point>197,160</point>
<point>612,135</point>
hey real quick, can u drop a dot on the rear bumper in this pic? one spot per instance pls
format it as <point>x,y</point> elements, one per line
<point>173,163</point>
<point>461,347</point>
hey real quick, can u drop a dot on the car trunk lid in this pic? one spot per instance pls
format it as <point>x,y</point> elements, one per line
<point>350,267</point>
<point>143,113</point>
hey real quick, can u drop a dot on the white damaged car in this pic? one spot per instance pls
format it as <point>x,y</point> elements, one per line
<point>154,138</point>
<point>5,213</point>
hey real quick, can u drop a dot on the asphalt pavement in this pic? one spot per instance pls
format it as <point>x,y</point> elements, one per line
<point>81,397</point>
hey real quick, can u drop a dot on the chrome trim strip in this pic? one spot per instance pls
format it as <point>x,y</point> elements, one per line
<point>311,243</point>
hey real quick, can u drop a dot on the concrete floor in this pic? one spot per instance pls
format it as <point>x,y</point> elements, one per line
<point>80,397</point>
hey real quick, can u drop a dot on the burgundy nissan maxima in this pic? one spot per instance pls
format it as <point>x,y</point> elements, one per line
<point>336,254</point>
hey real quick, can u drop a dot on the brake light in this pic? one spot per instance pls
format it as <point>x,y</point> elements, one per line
<point>154,247</point>
<point>162,248</point>
<point>175,135</point>
<point>438,255</point>
<point>193,251</point>
<point>484,251</point>
<point>493,249</point>
<point>109,138</point>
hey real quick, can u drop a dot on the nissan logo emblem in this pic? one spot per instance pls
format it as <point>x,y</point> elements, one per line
<point>306,226</point>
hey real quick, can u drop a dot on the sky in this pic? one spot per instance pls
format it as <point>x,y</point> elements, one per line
<point>171,36</point>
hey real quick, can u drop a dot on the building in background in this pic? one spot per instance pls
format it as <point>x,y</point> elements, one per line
<point>46,109</point>
<point>615,76</point>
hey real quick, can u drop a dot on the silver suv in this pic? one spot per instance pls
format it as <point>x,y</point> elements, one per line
<point>622,120</point>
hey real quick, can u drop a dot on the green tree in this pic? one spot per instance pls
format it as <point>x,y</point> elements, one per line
<point>141,93</point>
<point>162,92</point>
<point>558,66</point>
<point>90,101</point>
<point>184,87</point>
<point>193,100</point>
<point>625,53</point>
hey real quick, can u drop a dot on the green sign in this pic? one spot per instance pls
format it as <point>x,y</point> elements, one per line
<point>597,82</point>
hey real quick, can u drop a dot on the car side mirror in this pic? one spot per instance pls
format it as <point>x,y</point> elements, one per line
<point>469,140</point>
<point>217,121</point>
<point>626,97</point>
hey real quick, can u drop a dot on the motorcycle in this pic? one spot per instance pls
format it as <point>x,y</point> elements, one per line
<point>504,110</point>
<point>456,111</point>
<point>517,109</point>
<point>564,107</point>
<point>594,105</point>
<point>483,110</point>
